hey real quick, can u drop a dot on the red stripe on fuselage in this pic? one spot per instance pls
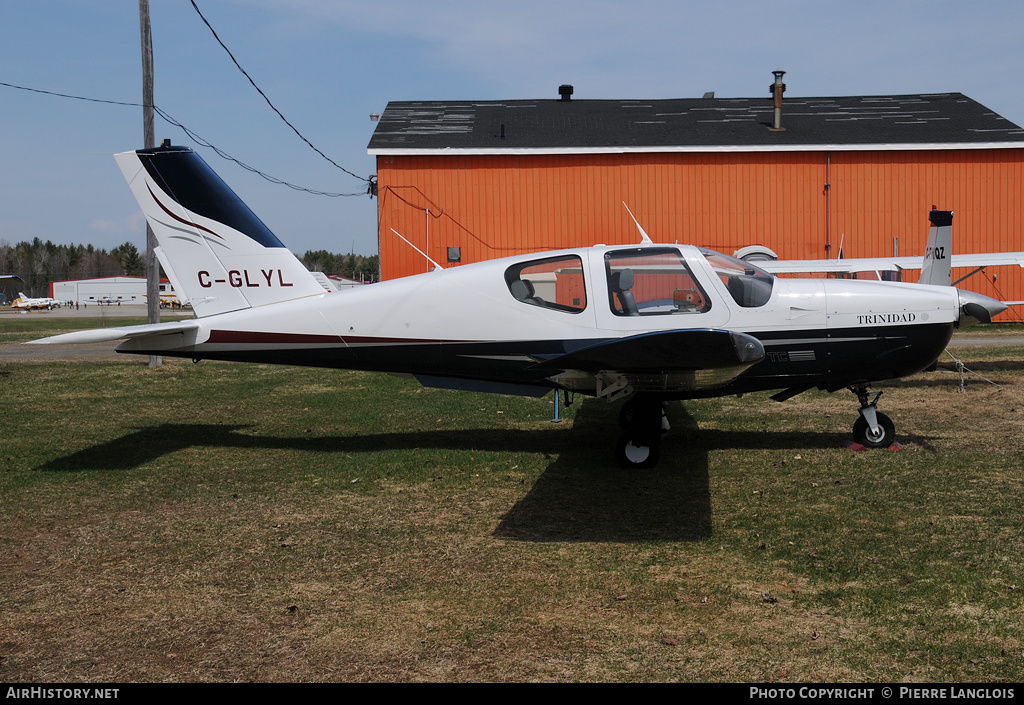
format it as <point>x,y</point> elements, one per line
<point>242,337</point>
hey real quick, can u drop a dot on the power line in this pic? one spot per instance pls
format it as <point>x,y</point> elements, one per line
<point>272,179</point>
<point>196,138</point>
<point>65,95</point>
<point>272,106</point>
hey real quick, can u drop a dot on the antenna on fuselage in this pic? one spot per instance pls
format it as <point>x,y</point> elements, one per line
<point>644,238</point>
<point>417,249</point>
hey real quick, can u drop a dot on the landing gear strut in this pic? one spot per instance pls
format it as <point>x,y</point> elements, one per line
<point>873,429</point>
<point>643,423</point>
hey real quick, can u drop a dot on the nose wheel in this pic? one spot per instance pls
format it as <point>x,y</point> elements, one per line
<point>873,429</point>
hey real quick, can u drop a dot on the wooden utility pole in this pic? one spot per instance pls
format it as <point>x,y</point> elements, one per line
<point>149,133</point>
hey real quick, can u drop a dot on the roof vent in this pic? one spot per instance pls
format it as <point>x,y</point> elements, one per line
<point>565,91</point>
<point>777,89</point>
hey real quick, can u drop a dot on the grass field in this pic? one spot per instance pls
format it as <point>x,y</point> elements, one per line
<point>221,522</point>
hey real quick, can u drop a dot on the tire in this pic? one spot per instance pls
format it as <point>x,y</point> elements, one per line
<point>885,438</point>
<point>634,456</point>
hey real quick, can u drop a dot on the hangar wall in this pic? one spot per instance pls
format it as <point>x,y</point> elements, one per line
<point>127,290</point>
<point>796,203</point>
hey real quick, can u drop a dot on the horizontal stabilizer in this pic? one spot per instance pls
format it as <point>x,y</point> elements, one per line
<point>669,351</point>
<point>103,335</point>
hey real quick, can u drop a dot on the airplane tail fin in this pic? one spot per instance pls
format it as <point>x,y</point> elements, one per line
<point>215,251</point>
<point>937,266</point>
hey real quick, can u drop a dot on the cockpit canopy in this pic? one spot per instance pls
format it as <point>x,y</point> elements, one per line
<point>650,281</point>
<point>642,281</point>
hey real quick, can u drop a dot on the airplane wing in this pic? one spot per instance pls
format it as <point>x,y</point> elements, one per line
<point>9,278</point>
<point>664,351</point>
<point>666,360</point>
<point>992,259</point>
<point>103,335</point>
<point>936,263</point>
<point>869,264</point>
<point>806,266</point>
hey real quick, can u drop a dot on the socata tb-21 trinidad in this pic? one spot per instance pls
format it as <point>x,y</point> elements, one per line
<point>646,323</point>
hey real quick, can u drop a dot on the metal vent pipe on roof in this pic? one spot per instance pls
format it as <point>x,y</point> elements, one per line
<point>565,91</point>
<point>777,89</point>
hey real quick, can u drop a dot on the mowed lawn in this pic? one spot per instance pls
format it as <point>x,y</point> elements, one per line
<point>226,522</point>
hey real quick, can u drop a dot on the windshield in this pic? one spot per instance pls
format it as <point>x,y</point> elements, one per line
<point>647,281</point>
<point>749,285</point>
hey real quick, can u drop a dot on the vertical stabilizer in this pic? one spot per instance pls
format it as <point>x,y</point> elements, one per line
<point>937,266</point>
<point>215,251</point>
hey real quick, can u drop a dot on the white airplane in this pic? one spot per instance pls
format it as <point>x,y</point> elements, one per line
<point>646,323</point>
<point>939,259</point>
<point>28,302</point>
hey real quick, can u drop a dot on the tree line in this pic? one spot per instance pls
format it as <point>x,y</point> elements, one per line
<point>38,263</point>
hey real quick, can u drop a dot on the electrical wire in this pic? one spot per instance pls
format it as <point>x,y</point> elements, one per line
<point>437,213</point>
<point>992,281</point>
<point>272,179</point>
<point>272,106</point>
<point>65,95</point>
<point>200,141</point>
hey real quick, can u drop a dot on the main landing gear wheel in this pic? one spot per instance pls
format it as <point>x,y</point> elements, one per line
<point>884,437</point>
<point>643,421</point>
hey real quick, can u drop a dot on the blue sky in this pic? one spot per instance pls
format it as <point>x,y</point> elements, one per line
<point>328,64</point>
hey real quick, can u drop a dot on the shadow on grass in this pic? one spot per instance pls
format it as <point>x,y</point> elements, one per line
<point>584,496</point>
<point>581,496</point>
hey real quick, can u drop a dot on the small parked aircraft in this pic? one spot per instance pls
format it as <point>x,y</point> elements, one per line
<point>645,323</point>
<point>936,265</point>
<point>28,302</point>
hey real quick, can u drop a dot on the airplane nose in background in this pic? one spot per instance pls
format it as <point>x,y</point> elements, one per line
<point>977,308</point>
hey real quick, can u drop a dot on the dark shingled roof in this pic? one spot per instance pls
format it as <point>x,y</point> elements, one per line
<point>691,124</point>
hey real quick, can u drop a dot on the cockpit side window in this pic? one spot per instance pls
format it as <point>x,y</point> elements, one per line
<point>749,285</point>
<point>555,283</point>
<point>649,281</point>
